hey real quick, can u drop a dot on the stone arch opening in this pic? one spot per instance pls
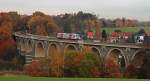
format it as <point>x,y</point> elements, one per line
<point>116,56</point>
<point>141,61</point>
<point>95,51</point>
<point>23,45</point>
<point>39,50</point>
<point>18,40</point>
<point>53,46</point>
<point>71,47</point>
<point>70,50</point>
<point>52,49</point>
<point>29,46</point>
<point>141,58</point>
<point>96,56</point>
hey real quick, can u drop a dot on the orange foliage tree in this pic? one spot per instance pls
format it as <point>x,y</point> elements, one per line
<point>112,68</point>
<point>97,30</point>
<point>35,69</point>
<point>56,63</point>
<point>42,24</point>
<point>5,45</point>
<point>83,63</point>
<point>5,25</point>
<point>6,28</point>
<point>131,71</point>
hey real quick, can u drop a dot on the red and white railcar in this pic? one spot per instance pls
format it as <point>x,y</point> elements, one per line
<point>71,36</point>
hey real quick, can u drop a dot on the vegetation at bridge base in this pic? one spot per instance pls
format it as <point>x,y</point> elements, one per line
<point>11,62</point>
<point>80,64</point>
<point>56,64</point>
<point>73,64</point>
<point>51,66</point>
<point>112,69</point>
<point>9,55</point>
<point>131,71</point>
<point>36,69</point>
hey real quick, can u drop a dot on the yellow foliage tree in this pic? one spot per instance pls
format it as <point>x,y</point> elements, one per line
<point>56,63</point>
<point>42,24</point>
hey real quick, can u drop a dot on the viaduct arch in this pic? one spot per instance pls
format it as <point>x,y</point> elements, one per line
<point>140,57</point>
<point>71,47</point>
<point>39,50</point>
<point>117,55</point>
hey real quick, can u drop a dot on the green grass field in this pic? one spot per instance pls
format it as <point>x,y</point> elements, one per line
<point>126,29</point>
<point>27,78</point>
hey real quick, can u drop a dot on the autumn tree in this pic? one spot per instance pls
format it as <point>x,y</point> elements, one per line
<point>123,22</point>
<point>67,23</point>
<point>77,23</point>
<point>91,65</point>
<point>6,45</point>
<point>71,63</point>
<point>15,17</point>
<point>23,23</point>
<point>8,51</point>
<point>83,64</point>
<point>5,32</point>
<point>131,71</point>
<point>56,63</point>
<point>42,24</point>
<point>35,69</point>
<point>5,25</point>
<point>112,68</point>
<point>97,30</point>
<point>104,36</point>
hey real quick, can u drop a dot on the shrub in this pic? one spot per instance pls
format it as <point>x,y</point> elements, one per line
<point>35,69</point>
<point>95,72</point>
<point>71,63</point>
<point>56,64</point>
<point>131,71</point>
<point>112,69</point>
<point>82,64</point>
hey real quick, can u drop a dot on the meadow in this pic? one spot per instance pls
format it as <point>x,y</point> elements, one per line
<point>126,29</point>
<point>27,78</point>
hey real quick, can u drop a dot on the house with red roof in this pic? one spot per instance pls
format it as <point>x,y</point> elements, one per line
<point>116,37</point>
<point>90,35</point>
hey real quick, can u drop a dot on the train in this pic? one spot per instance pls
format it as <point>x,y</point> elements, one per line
<point>138,39</point>
<point>69,36</point>
<point>142,40</point>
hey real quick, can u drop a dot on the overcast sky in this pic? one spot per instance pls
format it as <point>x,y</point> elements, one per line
<point>133,9</point>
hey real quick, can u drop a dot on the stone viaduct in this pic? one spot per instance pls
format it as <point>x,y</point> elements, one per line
<point>35,46</point>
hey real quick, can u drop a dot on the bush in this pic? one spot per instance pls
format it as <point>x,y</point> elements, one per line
<point>35,69</point>
<point>82,64</point>
<point>130,72</point>
<point>95,72</point>
<point>112,69</point>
